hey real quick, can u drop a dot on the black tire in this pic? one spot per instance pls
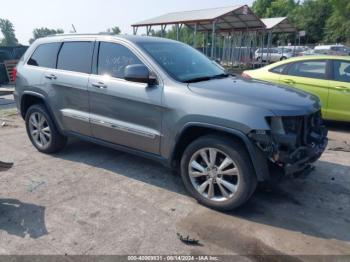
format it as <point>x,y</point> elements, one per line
<point>238,153</point>
<point>57,141</point>
<point>283,58</point>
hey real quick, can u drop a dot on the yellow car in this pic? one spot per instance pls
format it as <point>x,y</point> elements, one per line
<point>328,77</point>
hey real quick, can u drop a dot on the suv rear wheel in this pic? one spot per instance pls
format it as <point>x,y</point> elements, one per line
<point>218,172</point>
<point>42,131</point>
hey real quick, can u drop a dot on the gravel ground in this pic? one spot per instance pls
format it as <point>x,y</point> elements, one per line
<point>93,200</point>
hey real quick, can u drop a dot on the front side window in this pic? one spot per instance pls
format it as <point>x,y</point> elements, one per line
<point>45,55</point>
<point>341,71</point>
<point>310,69</point>
<point>114,58</point>
<point>181,62</point>
<point>76,57</point>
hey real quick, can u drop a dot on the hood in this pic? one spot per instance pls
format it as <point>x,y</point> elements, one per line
<point>280,100</point>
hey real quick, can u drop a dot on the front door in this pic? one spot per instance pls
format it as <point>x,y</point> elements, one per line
<point>122,112</point>
<point>339,92</point>
<point>310,76</point>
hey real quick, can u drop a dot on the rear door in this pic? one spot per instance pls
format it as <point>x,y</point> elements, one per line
<point>123,112</point>
<point>43,59</point>
<point>67,85</point>
<point>339,92</point>
<point>310,76</point>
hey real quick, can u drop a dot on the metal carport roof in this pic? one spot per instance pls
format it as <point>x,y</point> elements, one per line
<point>279,25</point>
<point>226,18</point>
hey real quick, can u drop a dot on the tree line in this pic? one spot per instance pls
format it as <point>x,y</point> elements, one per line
<point>9,37</point>
<point>325,21</point>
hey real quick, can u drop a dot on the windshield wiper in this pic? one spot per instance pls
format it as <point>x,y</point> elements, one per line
<point>206,78</point>
<point>198,79</point>
<point>224,75</point>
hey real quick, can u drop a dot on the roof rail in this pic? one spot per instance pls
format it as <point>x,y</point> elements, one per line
<point>83,34</point>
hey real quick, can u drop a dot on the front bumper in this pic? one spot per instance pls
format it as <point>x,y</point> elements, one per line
<point>307,156</point>
<point>301,143</point>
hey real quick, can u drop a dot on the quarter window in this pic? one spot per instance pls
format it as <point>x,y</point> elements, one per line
<point>113,58</point>
<point>76,57</point>
<point>279,69</point>
<point>341,71</point>
<point>310,69</point>
<point>45,55</point>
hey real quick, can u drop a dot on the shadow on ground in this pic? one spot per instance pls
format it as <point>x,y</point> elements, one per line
<point>338,126</point>
<point>317,205</point>
<point>22,219</point>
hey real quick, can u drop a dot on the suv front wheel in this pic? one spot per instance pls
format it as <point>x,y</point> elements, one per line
<point>42,131</point>
<point>217,171</point>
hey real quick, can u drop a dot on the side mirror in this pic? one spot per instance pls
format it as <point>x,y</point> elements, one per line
<point>139,74</point>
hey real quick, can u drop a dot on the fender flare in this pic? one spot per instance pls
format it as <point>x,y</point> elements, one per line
<point>257,157</point>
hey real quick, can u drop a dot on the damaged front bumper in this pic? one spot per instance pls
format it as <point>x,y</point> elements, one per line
<point>293,143</point>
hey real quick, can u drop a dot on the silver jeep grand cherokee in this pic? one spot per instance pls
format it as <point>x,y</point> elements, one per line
<point>166,101</point>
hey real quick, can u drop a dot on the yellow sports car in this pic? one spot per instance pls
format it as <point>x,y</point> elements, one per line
<point>328,77</point>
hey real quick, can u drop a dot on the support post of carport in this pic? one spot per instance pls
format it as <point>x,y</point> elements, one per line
<point>213,40</point>
<point>135,28</point>
<point>177,32</point>
<point>195,36</point>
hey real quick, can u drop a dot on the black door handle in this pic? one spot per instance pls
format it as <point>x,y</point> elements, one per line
<point>99,85</point>
<point>51,77</point>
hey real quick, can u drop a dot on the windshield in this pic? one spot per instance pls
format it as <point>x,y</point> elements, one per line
<point>182,62</point>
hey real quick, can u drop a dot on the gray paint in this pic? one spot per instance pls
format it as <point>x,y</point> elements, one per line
<point>150,119</point>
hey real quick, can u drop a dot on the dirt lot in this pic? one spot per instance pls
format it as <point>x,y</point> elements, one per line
<point>93,200</point>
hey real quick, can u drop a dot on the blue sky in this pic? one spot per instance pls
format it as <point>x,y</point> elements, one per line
<point>93,16</point>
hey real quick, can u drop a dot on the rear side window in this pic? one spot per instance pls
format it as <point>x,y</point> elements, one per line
<point>45,55</point>
<point>311,69</point>
<point>341,71</point>
<point>113,58</point>
<point>76,57</point>
<point>279,69</point>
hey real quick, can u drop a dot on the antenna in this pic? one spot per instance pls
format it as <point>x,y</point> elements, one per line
<point>74,30</point>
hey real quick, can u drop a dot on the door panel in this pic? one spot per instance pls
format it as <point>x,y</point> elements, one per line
<point>69,98</point>
<point>339,92</point>
<point>310,76</point>
<point>68,86</point>
<point>126,113</point>
<point>123,112</point>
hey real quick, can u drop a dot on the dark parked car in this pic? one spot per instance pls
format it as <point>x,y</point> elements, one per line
<point>166,101</point>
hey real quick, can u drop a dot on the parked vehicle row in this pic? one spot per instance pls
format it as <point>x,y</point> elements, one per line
<point>275,54</point>
<point>164,100</point>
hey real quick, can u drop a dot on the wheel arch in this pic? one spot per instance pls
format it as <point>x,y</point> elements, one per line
<point>28,99</point>
<point>192,131</point>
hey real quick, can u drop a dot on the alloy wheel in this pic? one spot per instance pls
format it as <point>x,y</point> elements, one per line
<point>214,174</point>
<point>39,129</point>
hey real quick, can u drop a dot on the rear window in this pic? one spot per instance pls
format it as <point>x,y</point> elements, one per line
<point>45,55</point>
<point>76,57</point>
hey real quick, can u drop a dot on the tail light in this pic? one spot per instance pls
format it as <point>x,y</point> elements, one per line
<point>14,74</point>
<point>246,75</point>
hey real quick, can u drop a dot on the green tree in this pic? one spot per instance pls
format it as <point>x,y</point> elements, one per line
<point>8,32</point>
<point>114,30</point>
<point>260,7</point>
<point>43,32</point>
<point>274,8</point>
<point>311,16</point>
<point>337,28</point>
